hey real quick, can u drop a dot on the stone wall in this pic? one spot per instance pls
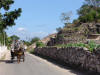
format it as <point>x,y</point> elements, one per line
<point>73,56</point>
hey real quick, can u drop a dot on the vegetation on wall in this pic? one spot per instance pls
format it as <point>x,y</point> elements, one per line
<point>91,46</point>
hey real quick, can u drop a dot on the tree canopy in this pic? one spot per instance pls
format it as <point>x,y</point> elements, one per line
<point>8,18</point>
<point>89,11</point>
<point>34,40</point>
<point>14,37</point>
<point>10,39</point>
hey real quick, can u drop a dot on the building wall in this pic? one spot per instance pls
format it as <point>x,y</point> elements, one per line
<point>3,50</point>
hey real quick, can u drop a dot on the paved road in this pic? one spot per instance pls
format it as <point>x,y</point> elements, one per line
<point>33,65</point>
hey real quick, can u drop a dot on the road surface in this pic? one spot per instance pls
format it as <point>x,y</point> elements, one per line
<point>33,65</point>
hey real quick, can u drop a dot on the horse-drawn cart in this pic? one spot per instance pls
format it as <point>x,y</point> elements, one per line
<point>19,54</point>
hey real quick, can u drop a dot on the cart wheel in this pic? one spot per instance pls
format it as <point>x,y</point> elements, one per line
<point>23,59</point>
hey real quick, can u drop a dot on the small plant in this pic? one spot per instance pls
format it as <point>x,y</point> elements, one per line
<point>92,45</point>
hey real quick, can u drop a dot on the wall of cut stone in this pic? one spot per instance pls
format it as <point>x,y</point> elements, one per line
<point>73,56</point>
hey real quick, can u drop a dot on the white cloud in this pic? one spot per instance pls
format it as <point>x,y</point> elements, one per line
<point>21,29</point>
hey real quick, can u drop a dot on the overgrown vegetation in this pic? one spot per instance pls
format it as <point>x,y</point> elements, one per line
<point>84,25</point>
<point>91,46</point>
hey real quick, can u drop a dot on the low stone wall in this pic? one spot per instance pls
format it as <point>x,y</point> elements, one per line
<point>73,56</point>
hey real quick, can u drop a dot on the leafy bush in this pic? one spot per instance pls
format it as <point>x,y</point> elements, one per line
<point>40,44</point>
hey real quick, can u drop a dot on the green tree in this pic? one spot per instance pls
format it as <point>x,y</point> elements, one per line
<point>89,12</point>
<point>8,18</point>
<point>14,37</point>
<point>27,43</point>
<point>10,39</point>
<point>34,40</point>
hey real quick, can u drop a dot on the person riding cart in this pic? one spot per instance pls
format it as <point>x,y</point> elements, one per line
<point>14,47</point>
<point>17,49</point>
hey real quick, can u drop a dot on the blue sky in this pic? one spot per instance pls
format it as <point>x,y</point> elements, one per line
<point>41,17</point>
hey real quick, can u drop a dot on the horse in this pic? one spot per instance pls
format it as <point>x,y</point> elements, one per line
<point>19,54</point>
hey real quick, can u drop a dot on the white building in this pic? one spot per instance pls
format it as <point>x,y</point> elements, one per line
<point>3,50</point>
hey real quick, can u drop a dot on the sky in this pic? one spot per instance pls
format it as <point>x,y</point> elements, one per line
<point>40,18</point>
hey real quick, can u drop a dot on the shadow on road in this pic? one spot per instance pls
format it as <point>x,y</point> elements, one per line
<point>72,69</point>
<point>8,61</point>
